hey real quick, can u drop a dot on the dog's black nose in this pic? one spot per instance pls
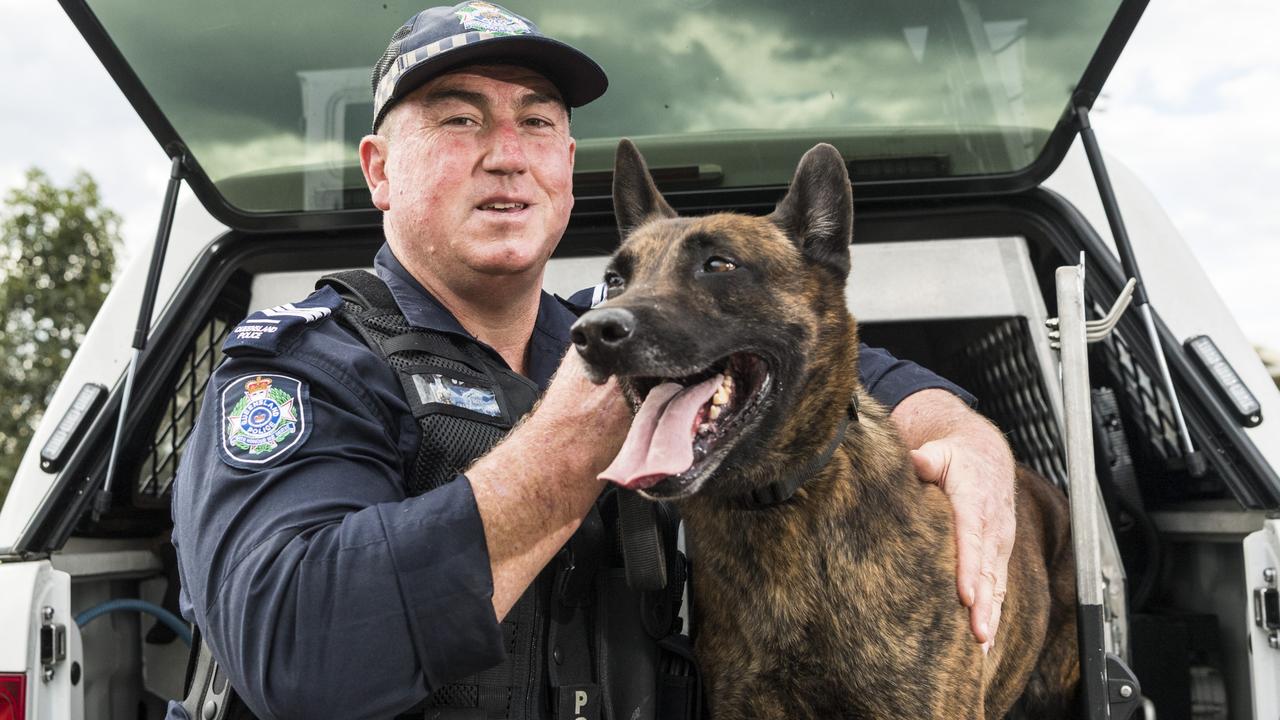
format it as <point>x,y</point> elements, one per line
<point>604,328</point>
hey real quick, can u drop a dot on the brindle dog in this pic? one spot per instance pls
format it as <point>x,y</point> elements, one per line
<point>731,338</point>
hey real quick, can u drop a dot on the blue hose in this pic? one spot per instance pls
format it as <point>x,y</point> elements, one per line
<point>173,622</point>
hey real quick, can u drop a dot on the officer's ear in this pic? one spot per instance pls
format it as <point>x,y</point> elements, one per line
<point>374,150</point>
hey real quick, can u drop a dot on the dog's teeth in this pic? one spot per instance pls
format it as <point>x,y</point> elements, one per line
<point>714,412</point>
<point>721,397</point>
<point>704,428</point>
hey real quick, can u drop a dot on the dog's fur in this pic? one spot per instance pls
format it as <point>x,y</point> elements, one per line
<point>840,602</point>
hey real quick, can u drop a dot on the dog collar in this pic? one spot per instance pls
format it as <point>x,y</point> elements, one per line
<point>776,493</point>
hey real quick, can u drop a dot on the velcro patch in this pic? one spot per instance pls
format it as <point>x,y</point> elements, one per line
<point>264,331</point>
<point>264,419</point>
<point>437,389</point>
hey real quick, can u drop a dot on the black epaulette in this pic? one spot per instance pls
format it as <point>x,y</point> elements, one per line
<point>265,331</point>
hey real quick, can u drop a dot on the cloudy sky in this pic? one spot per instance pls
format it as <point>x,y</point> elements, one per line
<point>1188,109</point>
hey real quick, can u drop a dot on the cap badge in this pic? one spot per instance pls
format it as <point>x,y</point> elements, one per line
<point>487,17</point>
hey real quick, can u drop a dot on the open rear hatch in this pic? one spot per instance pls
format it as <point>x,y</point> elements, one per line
<point>267,101</point>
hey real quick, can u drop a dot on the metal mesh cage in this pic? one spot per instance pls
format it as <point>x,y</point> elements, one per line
<point>1001,368</point>
<point>1146,403</point>
<point>178,415</point>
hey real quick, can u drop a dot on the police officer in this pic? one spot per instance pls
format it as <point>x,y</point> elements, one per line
<point>340,551</point>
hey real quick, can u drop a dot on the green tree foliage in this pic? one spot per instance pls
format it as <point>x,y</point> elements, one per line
<point>57,255</point>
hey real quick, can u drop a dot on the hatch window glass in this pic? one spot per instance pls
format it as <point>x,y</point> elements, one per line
<point>272,97</point>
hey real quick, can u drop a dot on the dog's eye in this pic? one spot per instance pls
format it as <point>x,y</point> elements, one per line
<point>718,264</point>
<point>613,281</point>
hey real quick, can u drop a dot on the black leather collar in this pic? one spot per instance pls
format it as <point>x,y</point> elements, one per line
<point>780,491</point>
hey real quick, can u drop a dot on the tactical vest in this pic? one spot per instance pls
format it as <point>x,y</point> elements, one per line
<point>581,643</point>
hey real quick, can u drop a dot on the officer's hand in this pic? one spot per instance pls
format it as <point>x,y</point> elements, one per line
<point>976,472</point>
<point>599,415</point>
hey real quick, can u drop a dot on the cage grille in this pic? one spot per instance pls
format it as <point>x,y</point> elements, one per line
<point>1145,401</point>
<point>1000,367</point>
<point>178,415</point>
<point>1123,361</point>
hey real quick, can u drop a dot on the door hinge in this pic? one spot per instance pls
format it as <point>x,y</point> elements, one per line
<point>53,643</point>
<point>1266,608</point>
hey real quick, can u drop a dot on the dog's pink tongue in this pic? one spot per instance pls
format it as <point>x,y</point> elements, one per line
<point>660,443</point>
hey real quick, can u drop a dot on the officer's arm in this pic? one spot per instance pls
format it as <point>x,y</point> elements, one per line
<point>535,487</point>
<point>322,590</point>
<point>970,460</point>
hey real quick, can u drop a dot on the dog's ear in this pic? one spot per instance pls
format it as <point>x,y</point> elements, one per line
<point>635,196</point>
<point>817,212</point>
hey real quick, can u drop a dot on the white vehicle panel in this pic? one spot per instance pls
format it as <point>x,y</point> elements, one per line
<point>1262,553</point>
<point>33,590</point>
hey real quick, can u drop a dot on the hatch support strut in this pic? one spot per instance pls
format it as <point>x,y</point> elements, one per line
<point>1195,461</point>
<point>102,502</point>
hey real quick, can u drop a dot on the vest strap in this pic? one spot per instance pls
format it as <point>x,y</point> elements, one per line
<point>364,288</point>
<point>643,548</point>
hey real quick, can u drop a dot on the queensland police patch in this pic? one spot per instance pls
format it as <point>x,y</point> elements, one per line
<point>264,418</point>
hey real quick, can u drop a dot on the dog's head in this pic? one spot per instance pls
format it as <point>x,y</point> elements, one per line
<point>722,327</point>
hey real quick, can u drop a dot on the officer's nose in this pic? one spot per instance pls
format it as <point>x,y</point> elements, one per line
<point>505,154</point>
<point>603,331</point>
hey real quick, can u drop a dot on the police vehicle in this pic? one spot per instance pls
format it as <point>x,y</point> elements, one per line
<point>994,244</point>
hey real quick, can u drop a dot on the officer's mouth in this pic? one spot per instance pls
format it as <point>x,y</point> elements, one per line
<point>500,207</point>
<point>685,426</point>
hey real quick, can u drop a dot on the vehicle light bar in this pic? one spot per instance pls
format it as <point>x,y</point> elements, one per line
<point>72,426</point>
<point>1219,372</point>
<point>13,696</point>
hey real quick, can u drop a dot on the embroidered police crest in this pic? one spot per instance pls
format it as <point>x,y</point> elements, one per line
<point>486,17</point>
<point>263,418</point>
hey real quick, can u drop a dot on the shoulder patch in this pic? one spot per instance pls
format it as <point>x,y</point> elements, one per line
<point>264,331</point>
<point>264,419</point>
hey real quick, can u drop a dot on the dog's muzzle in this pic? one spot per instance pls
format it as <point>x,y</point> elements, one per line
<point>602,335</point>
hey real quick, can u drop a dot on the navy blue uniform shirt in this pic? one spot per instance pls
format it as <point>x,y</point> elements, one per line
<point>322,587</point>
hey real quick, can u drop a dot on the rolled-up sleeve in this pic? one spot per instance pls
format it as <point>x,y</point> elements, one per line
<point>319,586</point>
<point>891,380</point>
<point>441,589</point>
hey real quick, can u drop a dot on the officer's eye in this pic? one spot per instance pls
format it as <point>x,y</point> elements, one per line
<point>717,264</point>
<point>538,122</point>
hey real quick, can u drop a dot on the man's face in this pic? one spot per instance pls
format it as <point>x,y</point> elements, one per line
<point>478,175</point>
